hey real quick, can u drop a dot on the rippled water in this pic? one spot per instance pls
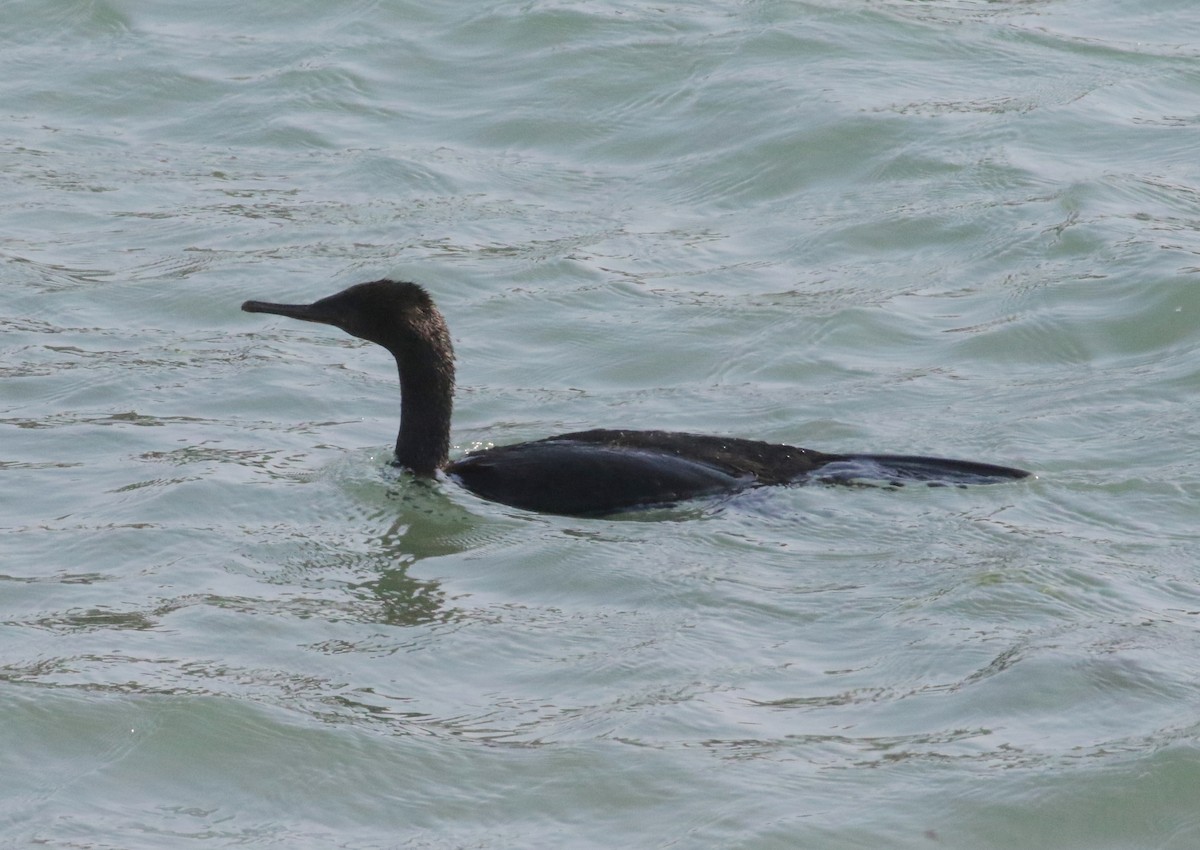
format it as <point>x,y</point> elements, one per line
<point>956,227</point>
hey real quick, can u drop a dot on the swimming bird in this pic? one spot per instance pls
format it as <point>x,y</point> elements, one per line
<point>584,473</point>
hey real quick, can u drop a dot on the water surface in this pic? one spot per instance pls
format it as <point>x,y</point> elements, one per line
<point>952,227</point>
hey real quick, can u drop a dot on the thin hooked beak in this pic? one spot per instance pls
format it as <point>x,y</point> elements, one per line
<point>304,312</point>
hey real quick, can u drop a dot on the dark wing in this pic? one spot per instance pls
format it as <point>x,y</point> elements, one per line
<point>768,463</point>
<point>563,476</point>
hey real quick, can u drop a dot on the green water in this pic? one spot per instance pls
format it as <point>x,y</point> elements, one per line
<point>952,227</point>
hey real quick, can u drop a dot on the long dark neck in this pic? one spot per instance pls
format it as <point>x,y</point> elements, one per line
<point>426,401</point>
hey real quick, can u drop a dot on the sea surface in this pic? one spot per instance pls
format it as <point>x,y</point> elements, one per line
<point>968,228</point>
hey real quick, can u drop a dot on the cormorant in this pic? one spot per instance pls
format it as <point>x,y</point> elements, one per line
<point>585,473</point>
